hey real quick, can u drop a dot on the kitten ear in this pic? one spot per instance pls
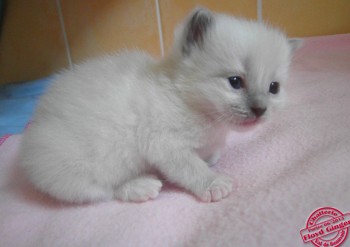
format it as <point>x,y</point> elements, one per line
<point>196,28</point>
<point>295,44</point>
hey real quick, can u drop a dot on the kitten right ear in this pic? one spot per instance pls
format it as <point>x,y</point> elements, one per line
<point>195,29</point>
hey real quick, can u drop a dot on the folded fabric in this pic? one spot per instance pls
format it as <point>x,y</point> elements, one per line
<point>17,103</point>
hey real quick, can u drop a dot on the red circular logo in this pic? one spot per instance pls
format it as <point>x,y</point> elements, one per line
<point>325,227</point>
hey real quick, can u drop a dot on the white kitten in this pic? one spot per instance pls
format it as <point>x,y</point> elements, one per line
<point>103,129</point>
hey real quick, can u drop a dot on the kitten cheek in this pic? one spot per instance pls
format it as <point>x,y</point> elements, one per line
<point>220,100</point>
<point>278,103</point>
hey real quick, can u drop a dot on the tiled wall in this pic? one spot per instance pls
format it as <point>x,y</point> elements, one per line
<point>35,43</point>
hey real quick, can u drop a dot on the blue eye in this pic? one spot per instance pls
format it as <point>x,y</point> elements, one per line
<point>274,87</point>
<point>236,82</point>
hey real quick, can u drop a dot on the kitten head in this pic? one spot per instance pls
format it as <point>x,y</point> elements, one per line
<point>231,69</point>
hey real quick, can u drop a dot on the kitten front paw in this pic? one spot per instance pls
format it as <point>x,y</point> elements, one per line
<point>218,189</point>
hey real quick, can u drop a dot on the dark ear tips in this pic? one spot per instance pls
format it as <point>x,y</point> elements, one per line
<point>199,22</point>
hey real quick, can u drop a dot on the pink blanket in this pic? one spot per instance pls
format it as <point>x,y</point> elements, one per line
<point>282,172</point>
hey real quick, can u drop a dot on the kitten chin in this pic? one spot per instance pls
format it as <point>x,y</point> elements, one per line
<point>104,127</point>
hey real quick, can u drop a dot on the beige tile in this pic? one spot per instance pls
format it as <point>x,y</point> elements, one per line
<point>96,27</point>
<point>172,12</point>
<point>31,44</point>
<point>308,17</point>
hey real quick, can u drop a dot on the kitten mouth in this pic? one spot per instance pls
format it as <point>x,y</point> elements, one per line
<point>250,122</point>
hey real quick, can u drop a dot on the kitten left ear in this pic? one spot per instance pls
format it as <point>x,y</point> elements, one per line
<point>196,28</point>
<point>295,44</point>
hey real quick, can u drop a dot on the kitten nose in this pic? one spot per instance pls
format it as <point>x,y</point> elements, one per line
<point>258,111</point>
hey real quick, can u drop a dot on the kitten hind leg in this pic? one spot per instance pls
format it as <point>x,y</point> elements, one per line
<point>78,191</point>
<point>139,189</point>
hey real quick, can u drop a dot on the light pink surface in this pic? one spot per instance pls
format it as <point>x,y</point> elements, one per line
<point>284,170</point>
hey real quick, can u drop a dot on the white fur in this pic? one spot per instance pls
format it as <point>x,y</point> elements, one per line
<point>105,127</point>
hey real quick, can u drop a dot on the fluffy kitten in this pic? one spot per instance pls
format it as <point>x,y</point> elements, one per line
<point>104,128</point>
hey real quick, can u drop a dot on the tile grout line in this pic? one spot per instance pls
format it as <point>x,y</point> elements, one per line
<point>160,30</point>
<point>259,10</point>
<point>63,30</point>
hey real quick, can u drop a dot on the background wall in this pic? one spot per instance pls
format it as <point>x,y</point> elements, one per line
<point>40,37</point>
